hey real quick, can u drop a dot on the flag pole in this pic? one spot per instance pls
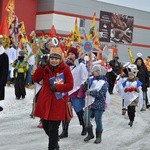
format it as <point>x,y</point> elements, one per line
<point>88,48</point>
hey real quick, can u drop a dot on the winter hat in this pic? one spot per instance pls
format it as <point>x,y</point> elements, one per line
<point>74,51</point>
<point>100,69</point>
<point>116,56</point>
<point>56,52</point>
<point>22,53</point>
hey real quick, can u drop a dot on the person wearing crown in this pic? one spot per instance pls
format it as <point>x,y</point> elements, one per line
<point>51,108</point>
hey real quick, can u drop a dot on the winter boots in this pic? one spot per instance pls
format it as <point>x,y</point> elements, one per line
<point>1,108</point>
<point>65,125</point>
<point>90,134</point>
<point>81,121</point>
<point>98,137</point>
<point>130,123</point>
<point>124,111</point>
<point>83,130</point>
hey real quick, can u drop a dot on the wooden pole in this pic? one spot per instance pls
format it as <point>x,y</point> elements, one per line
<point>87,107</point>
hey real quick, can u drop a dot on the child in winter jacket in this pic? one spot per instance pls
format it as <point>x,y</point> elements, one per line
<point>21,66</point>
<point>97,98</point>
<point>132,93</point>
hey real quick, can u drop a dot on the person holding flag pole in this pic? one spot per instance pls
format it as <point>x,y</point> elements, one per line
<point>97,98</point>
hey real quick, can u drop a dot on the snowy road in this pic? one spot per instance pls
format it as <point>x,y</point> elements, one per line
<point>19,132</point>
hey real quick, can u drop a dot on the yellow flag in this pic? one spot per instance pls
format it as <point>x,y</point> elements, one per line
<point>76,33</point>
<point>10,7</point>
<point>95,39</point>
<point>22,28</point>
<point>131,55</point>
<point>23,31</point>
<point>91,32</point>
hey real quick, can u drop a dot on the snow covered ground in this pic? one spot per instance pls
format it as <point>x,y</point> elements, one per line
<point>19,132</point>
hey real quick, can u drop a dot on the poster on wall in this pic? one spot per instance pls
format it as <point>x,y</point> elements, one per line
<point>116,28</point>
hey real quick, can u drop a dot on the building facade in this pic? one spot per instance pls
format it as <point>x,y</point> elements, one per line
<point>40,15</point>
<point>25,10</point>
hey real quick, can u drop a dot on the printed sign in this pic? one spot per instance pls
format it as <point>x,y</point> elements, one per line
<point>88,46</point>
<point>116,28</point>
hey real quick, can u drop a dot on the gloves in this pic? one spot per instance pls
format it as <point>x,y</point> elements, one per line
<point>85,86</point>
<point>88,92</point>
<point>53,87</point>
<point>131,89</point>
<point>126,90</point>
<point>43,61</point>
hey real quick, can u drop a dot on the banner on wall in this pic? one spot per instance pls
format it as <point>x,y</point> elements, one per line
<point>116,28</point>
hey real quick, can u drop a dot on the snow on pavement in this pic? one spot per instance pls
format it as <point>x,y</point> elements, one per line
<point>19,132</point>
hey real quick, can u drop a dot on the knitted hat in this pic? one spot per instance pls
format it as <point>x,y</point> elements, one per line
<point>22,53</point>
<point>100,69</point>
<point>74,51</point>
<point>116,56</point>
<point>56,52</point>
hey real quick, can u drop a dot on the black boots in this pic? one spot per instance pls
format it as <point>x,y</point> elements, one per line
<point>64,134</point>
<point>98,137</point>
<point>84,131</point>
<point>1,108</point>
<point>124,111</point>
<point>130,123</point>
<point>81,121</point>
<point>54,148</point>
<point>90,134</point>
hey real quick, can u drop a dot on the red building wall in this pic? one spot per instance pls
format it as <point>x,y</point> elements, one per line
<point>25,10</point>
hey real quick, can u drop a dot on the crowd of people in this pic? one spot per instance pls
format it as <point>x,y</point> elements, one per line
<point>86,83</point>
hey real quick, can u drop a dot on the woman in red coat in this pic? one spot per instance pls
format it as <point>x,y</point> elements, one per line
<point>51,104</point>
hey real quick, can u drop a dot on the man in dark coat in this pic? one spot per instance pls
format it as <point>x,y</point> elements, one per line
<point>116,70</point>
<point>3,71</point>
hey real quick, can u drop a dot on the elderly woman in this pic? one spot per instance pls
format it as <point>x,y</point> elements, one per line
<point>52,99</point>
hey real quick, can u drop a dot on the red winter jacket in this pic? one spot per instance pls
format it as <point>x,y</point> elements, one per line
<point>48,107</point>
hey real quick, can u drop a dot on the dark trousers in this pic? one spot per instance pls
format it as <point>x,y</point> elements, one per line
<point>145,98</point>
<point>51,129</point>
<point>80,116</point>
<point>2,92</point>
<point>111,80</point>
<point>19,84</point>
<point>131,112</point>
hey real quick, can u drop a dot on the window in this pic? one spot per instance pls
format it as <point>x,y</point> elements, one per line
<point>82,22</point>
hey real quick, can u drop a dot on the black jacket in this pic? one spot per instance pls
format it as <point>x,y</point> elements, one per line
<point>4,66</point>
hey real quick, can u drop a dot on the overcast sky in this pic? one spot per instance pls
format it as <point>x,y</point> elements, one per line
<point>137,4</point>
